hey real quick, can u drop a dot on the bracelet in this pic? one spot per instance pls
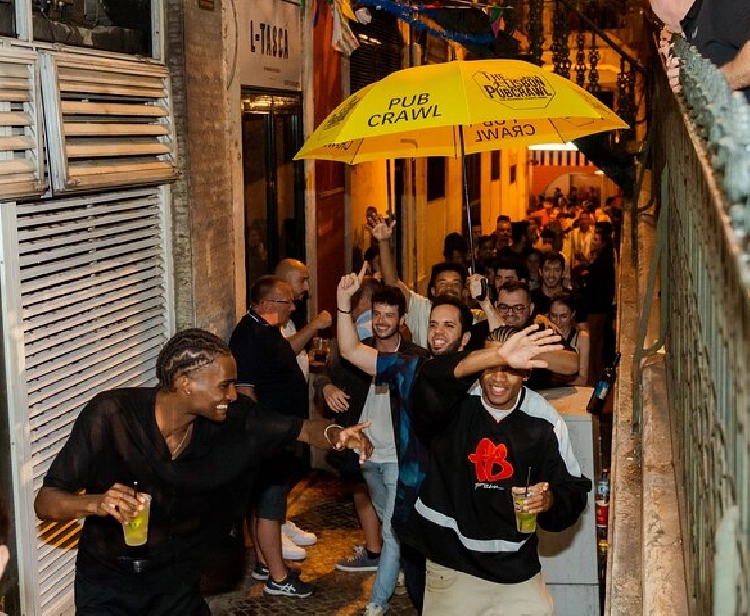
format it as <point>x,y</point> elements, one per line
<point>325,433</point>
<point>344,311</point>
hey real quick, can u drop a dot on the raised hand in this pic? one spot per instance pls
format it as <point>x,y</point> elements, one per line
<point>336,398</point>
<point>522,347</point>
<point>475,285</point>
<point>348,286</point>
<point>323,320</point>
<point>383,230</point>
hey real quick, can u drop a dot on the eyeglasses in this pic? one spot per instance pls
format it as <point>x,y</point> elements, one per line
<point>517,308</point>
<point>288,302</point>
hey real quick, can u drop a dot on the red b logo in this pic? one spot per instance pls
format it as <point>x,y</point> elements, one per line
<point>486,456</point>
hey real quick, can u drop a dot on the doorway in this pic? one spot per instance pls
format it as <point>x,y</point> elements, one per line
<point>274,182</point>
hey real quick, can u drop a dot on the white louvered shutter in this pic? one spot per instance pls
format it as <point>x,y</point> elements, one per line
<point>109,122</point>
<point>21,153</point>
<point>93,309</point>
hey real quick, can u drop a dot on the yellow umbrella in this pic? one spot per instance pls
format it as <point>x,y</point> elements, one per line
<point>458,108</point>
<point>423,111</point>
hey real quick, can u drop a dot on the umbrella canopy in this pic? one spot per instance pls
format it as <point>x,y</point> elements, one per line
<point>421,111</point>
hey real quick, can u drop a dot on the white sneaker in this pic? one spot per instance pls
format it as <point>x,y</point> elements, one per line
<point>296,535</point>
<point>373,610</point>
<point>400,584</point>
<point>290,551</point>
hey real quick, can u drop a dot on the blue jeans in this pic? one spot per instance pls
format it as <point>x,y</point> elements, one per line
<point>381,480</point>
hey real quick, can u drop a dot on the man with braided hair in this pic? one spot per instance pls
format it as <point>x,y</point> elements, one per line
<point>192,444</point>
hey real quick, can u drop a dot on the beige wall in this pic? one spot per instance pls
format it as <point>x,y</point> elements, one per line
<point>202,216</point>
<point>435,219</point>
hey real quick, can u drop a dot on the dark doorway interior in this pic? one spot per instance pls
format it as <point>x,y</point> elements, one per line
<point>274,197</point>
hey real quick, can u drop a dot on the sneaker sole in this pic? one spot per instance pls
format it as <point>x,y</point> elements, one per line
<point>284,593</point>
<point>287,556</point>
<point>368,569</point>
<point>259,576</point>
<point>303,543</point>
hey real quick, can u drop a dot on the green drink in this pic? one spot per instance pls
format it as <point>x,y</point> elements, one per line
<point>136,530</point>
<point>525,522</point>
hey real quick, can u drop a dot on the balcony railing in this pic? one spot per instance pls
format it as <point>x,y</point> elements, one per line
<point>701,162</point>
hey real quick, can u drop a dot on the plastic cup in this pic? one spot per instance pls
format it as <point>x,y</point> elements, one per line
<point>320,348</point>
<point>136,530</point>
<point>525,522</point>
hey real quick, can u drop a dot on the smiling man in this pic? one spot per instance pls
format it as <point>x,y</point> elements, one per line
<point>499,440</point>
<point>446,280</point>
<point>191,444</point>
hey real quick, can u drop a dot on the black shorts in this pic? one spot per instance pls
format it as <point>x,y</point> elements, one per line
<point>94,598</point>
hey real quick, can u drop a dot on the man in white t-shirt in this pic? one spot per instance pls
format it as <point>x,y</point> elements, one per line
<point>298,276</point>
<point>381,470</point>
<point>447,279</point>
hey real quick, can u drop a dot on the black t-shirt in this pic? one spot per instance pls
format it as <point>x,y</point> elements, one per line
<point>115,439</point>
<point>718,29</point>
<point>267,362</point>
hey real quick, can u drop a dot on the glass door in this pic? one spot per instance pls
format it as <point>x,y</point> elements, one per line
<point>274,195</point>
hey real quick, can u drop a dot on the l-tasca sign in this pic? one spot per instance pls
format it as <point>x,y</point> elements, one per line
<point>269,44</point>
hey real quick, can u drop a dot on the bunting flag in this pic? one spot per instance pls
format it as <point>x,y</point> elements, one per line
<point>342,38</point>
<point>495,14</point>
<point>345,7</point>
<point>417,16</point>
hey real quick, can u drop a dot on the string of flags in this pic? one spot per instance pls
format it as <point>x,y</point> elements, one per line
<point>418,16</point>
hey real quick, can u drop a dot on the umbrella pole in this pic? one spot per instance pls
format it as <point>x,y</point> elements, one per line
<point>466,198</point>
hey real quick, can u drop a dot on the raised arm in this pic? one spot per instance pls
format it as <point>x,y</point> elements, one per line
<point>300,339</point>
<point>524,350</point>
<point>436,396</point>
<point>562,361</point>
<point>475,289</point>
<point>383,231</point>
<point>350,347</point>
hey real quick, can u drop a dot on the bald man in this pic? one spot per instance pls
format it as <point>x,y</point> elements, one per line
<point>298,276</point>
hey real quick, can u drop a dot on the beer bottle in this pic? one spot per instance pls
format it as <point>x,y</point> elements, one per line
<point>601,389</point>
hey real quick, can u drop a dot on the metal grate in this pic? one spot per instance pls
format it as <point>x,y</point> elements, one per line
<point>21,153</point>
<point>93,312</point>
<point>109,122</point>
<point>709,353</point>
<point>379,53</point>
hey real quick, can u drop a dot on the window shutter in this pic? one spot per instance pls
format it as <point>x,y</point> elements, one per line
<point>109,122</point>
<point>89,294</point>
<point>379,53</point>
<point>21,153</point>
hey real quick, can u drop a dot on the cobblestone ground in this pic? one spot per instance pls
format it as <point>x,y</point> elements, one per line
<point>320,505</point>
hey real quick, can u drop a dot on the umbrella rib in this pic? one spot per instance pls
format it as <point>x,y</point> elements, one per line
<point>361,141</point>
<point>557,131</point>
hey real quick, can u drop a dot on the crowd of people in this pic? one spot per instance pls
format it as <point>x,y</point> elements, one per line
<point>555,268</point>
<point>416,384</point>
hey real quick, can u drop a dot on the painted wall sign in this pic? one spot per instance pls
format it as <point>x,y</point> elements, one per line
<point>269,44</point>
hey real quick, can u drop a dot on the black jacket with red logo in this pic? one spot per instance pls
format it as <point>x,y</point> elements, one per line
<point>464,518</point>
